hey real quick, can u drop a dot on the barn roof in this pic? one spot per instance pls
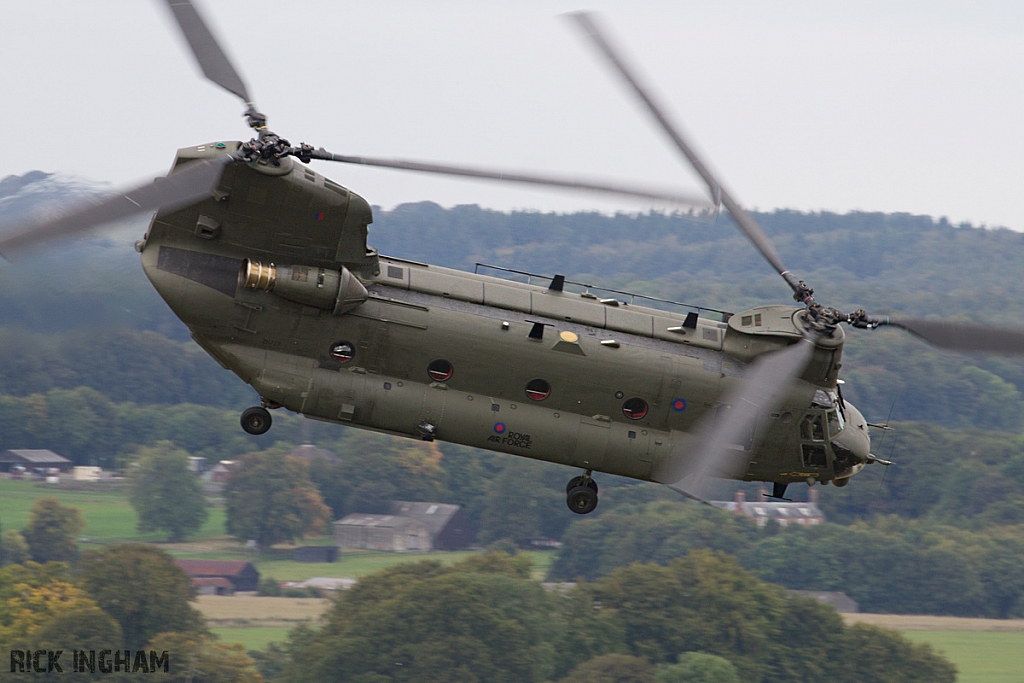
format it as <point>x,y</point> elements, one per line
<point>32,456</point>
<point>434,515</point>
<point>381,521</point>
<point>838,599</point>
<point>213,567</point>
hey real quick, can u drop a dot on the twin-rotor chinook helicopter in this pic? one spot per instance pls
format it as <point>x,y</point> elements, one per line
<point>267,263</point>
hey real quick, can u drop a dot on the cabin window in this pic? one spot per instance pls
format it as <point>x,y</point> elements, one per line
<point>814,456</point>
<point>343,351</point>
<point>440,370</point>
<point>635,408</point>
<point>811,428</point>
<point>538,389</point>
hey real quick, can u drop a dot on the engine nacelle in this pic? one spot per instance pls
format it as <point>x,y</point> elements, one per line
<point>331,290</point>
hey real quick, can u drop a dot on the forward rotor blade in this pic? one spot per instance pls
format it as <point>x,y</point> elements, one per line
<point>716,453</point>
<point>212,59</point>
<point>960,336</point>
<point>747,224</point>
<point>520,178</point>
<point>181,188</point>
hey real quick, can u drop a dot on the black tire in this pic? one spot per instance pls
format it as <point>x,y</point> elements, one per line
<point>582,500</point>
<point>579,481</point>
<point>256,420</point>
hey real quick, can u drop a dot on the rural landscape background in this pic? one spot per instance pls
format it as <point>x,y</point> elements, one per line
<point>95,367</point>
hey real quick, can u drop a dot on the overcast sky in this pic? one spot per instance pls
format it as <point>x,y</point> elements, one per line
<point>880,106</point>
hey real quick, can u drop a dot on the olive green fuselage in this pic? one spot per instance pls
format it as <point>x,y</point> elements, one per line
<point>424,351</point>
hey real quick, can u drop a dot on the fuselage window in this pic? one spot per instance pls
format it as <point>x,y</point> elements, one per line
<point>635,408</point>
<point>440,370</point>
<point>343,352</point>
<point>538,389</point>
<point>811,428</point>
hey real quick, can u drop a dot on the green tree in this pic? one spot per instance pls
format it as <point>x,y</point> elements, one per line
<point>142,588</point>
<point>15,549</point>
<point>166,495</point>
<point>707,603</point>
<point>85,627</point>
<point>613,668</point>
<point>525,501</point>
<point>197,658</point>
<point>698,667</point>
<point>884,656</point>
<point>431,624</point>
<point>53,531</point>
<point>270,499</point>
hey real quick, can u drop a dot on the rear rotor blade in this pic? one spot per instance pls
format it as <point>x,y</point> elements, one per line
<point>212,59</point>
<point>716,453</point>
<point>181,188</point>
<point>520,178</point>
<point>747,224</point>
<point>961,336</point>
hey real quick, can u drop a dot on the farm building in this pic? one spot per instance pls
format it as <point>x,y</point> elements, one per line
<point>449,527</point>
<point>783,512</point>
<point>410,527</point>
<point>32,459</point>
<point>315,553</point>
<point>382,532</point>
<point>212,585</point>
<point>241,574</point>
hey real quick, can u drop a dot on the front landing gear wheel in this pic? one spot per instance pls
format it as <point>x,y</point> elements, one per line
<point>582,499</point>
<point>256,420</point>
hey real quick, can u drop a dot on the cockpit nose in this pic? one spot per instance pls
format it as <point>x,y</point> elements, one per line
<point>852,445</point>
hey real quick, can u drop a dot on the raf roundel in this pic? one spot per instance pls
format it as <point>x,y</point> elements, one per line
<point>679,405</point>
<point>499,428</point>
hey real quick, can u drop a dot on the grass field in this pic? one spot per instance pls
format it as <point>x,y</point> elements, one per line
<point>253,638</point>
<point>981,656</point>
<point>108,515</point>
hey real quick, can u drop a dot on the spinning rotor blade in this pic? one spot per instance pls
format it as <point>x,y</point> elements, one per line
<point>212,59</point>
<point>745,222</point>
<point>960,336</point>
<point>714,454</point>
<point>181,188</point>
<point>520,178</point>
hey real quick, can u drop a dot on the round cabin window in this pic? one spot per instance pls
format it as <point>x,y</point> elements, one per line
<point>343,351</point>
<point>538,389</point>
<point>635,409</point>
<point>440,370</point>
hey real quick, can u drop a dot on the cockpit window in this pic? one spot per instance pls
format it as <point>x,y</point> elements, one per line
<point>835,423</point>
<point>811,428</point>
<point>824,399</point>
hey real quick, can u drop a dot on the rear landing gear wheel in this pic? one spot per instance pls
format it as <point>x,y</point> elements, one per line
<point>582,499</point>
<point>256,420</point>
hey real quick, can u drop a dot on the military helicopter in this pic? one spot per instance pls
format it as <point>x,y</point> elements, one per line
<point>267,263</point>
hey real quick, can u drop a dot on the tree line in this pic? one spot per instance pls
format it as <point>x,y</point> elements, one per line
<point>888,565</point>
